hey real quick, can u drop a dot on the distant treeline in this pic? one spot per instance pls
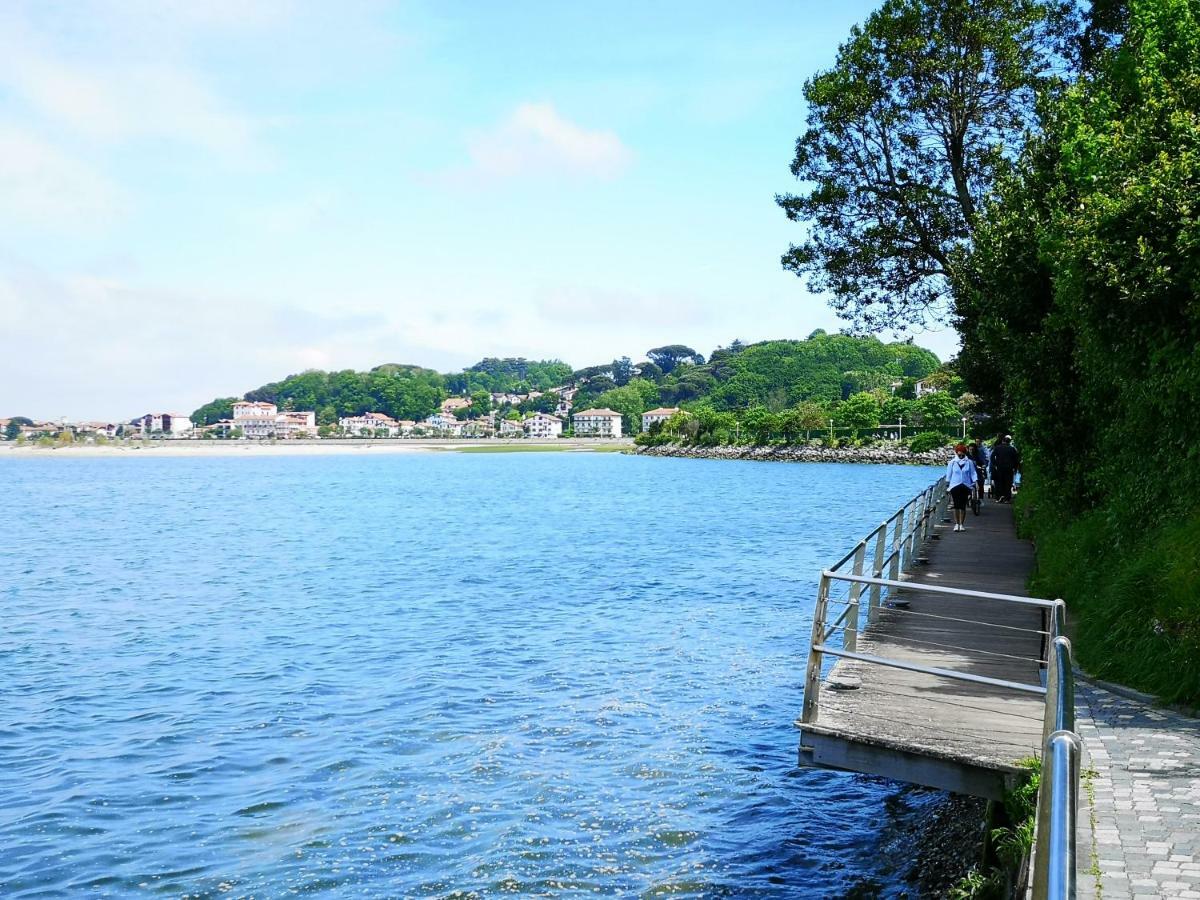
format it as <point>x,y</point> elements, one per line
<point>825,369</point>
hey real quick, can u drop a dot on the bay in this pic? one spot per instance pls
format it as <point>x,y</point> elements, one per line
<point>425,675</point>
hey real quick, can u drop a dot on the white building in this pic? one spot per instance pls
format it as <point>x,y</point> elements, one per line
<point>597,423</point>
<point>256,419</point>
<point>264,420</point>
<point>543,425</point>
<point>441,421</point>
<point>511,428</point>
<point>99,429</point>
<point>296,424</point>
<point>372,423</point>
<point>657,415</point>
<point>165,423</point>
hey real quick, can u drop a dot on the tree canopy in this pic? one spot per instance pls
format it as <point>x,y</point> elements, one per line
<point>906,134</point>
<point>670,356</point>
<point>1080,325</point>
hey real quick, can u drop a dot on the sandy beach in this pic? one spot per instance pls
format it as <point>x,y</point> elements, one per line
<point>255,449</point>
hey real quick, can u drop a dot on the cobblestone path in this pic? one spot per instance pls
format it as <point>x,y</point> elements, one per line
<point>1139,828</point>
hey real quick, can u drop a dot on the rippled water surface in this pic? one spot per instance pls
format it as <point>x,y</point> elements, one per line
<point>418,674</point>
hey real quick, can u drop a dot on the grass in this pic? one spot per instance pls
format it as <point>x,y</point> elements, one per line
<point>1089,785</point>
<point>1133,599</point>
<point>1010,843</point>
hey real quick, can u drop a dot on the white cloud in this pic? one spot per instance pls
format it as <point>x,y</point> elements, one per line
<point>103,95</point>
<point>536,139</point>
<point>90,346</point>
<point>43,188</point>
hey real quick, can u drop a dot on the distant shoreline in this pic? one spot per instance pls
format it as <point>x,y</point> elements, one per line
<point>257,449</point>
<point>879,455</point>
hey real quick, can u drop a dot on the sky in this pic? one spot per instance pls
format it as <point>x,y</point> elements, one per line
<point>197,198</point>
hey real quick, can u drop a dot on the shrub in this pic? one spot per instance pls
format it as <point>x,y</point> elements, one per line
<point>926,441</point>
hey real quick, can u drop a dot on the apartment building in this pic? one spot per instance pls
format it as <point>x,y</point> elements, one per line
<point>657,415</point>
<point>597,423</point>
<point>543,425</point>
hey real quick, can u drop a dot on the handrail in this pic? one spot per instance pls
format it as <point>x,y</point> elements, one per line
<point>942,589</point>
<point>1055,858</point>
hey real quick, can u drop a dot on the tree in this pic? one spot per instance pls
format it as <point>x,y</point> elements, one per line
<point>622,371</point>
<point>896,410</point>
<point>925,104</point>
<point>481,404</point>
<point>669,357</point>
<point>859,411</point>
<point>761,424</point>
<point>13,429</point>
<point>630,401</point>
<point>938,411</point>
<point>649,371</point>
<point>221,408</point>
<point>812,415</point>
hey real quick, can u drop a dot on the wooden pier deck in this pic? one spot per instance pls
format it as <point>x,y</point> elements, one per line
<point>927,729</point>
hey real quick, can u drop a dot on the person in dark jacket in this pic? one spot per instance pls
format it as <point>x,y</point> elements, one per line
<point>1005,463</point>
<point>978,454</point>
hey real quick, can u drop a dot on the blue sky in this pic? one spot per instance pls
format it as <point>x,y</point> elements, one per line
<point>198,197</point>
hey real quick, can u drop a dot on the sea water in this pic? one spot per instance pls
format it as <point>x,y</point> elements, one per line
<point>425,674</point>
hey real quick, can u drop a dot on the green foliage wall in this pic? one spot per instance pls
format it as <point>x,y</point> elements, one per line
<point>1080,320</point>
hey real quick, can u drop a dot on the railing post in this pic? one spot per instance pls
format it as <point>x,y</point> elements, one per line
<point>894,567</point>
<point>926,513</point>
<point>1058,620</point>
<point>812,676</point>
<point>914,529</point>
<point>850,641</point>
<point>877,571</point>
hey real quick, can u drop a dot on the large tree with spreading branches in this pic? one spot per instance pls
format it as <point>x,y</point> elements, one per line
<point>906,133</point>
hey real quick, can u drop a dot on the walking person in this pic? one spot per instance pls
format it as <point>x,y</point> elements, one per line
<point>977,453</point>
<point>960,480</point>
<point>1006,461</point>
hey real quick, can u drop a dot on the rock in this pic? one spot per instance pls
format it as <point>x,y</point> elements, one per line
<point>878,454</point>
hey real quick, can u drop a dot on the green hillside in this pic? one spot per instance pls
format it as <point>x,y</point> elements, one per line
<point>825,370</point>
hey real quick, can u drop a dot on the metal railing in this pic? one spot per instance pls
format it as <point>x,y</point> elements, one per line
<point>895,547</point>
<point>1055,859</point>
<point>894,543</point>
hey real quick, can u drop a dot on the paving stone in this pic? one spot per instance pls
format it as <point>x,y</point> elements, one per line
<point>1146,798</point>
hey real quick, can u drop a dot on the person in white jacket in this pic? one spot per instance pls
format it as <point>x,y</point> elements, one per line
<point>960,480</point>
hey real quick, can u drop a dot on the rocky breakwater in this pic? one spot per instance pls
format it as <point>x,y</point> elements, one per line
<point>884,454</point>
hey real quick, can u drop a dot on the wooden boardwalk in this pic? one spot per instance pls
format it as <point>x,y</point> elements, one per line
<point>957,735</point>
